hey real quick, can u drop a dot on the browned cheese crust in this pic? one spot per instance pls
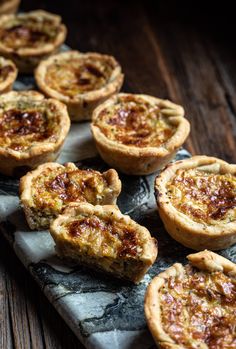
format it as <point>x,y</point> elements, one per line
<point>46,191</point>
<point>80,80</point>
<point>103,238</point>
<point>196,200</point>
<point>194,306</point>
<point>32,130</point>
<point>138,134</point>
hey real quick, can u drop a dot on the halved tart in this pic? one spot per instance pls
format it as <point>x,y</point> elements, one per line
<point>27,38</point>
<point>80,80</point>
<point>103,238</point>
<point>138,134</point>
<point>46,191</point>
<point>194,306</point>
<point>32,130</point>
<point>8,74</point>
<point>196,200</point>
<point>8,6</point>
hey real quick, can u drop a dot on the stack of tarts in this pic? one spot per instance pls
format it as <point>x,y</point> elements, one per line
<point>79,208</point>
<point>190,306</point>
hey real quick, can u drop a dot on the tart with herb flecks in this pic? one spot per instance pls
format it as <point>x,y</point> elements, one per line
<point>103,238</point>
<point>27,38</point>
<point>196,200</point>
<point>48,190</point>
<point>194,306</point>
<point>80,80</point>
<point>138,134</point>
<point>32,130</point>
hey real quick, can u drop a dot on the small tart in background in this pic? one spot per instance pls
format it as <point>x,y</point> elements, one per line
<point>32,130</point>
<point>103,238</point>
<point>27,38</point>
<point>138,134</point>
<point>46,191</point>
<point>8,75</point>
<point>196,200</point>
<point>80,80</point>
<point>8,6</point>
<point>193,306</point>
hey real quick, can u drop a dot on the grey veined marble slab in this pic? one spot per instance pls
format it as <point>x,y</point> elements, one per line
<point>102,311</point>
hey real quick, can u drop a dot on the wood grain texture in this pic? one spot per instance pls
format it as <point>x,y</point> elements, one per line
<point>181,52</point>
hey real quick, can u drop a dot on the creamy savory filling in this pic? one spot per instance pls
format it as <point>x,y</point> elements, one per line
<point>104,237</point>
<point>5,70</point>
<point>204,196</point>
<point>135,122</point>
<point>28,32</point>
<point>73,76</point>
<point>54,188</point>
<point>23,124</point>
<point>199,308</point>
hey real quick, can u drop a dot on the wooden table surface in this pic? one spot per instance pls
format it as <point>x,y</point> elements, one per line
<point>170,49</point>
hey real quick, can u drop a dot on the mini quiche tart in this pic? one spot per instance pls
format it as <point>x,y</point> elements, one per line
<point>46,191</point>
<point>8,74</point>
<point>196,199</point>
<point>194,306</point>
<point>80,80</point>
<point>138,134</point>
<point>32,130</point>
<point>8,6</point>
<point>27,38</point>
<point>103,238</point>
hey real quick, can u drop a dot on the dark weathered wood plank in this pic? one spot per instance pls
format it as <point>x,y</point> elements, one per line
<point>27,319</point>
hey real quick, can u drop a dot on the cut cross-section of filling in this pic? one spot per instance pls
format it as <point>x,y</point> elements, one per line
<point>23,124</point>
<point>102,238</point>
<point>199,308</point>
<point>74,76</point>
<point>22,32</point>
<point>135,122</point>
<point>204,196</point>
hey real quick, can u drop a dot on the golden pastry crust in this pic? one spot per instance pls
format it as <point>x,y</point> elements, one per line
<point>103,238</point>
<point>138,134</point>
<point>80,80</point>
<point>194,306</point>
<point>27,38</point>
<point>32,130</point>
<point>196,200</point>
<point>8,74</point>
<point>8,6</point>
<point>46,191</point>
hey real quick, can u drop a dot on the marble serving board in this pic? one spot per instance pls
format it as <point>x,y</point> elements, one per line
<point>102,311</point>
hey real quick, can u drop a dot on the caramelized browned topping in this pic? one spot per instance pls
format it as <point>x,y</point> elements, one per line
<point>15,124</point>
<point>200,308</point>
<point>123,239</point>
<point>56,188</point>
<point>135,122</point>
<point>203,196</point>
<point>76,76</point>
